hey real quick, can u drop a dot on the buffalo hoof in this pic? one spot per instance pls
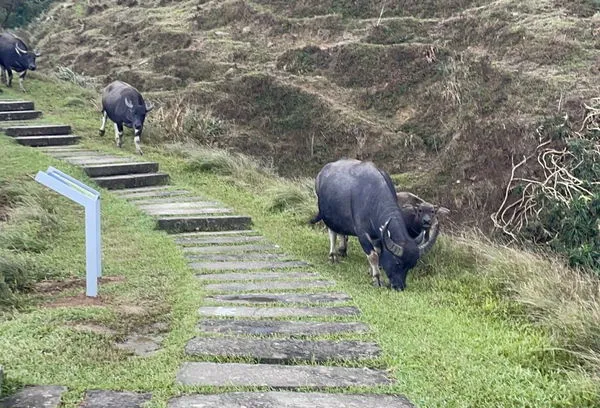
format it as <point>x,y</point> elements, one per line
<point>101,132</point>
<point>377,283</point>
<point>333,258</point>
<point>140,152</point>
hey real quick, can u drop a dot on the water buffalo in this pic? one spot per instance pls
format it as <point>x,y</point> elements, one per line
<point>125,106</point>
<point>419,215</point>
<point>356,198</point>
<point>15,55</point>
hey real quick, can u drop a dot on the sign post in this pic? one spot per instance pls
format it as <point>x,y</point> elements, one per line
<point>89,198</point>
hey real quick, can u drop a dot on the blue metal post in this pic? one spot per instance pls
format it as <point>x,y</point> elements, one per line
<point>90,199</point>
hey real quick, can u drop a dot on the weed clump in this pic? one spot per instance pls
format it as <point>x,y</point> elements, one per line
<point>27,227</point>
<point>67,74</point>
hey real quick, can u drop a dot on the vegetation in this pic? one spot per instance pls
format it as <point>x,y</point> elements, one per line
<point>27,227</point>
<point>16,13</point>
<point>485,107</point>
<point>479,324</point>
<point>558,204</point>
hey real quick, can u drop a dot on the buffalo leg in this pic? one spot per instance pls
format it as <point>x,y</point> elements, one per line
<point>21,78</point>
<point>372,250</point>
<point>136,140</point>
<point>373,259</point>
<point>332,251</point>
<point>103,125</point>
<point>343,248</point>
<point>9,77</point>
<point>119,135</point>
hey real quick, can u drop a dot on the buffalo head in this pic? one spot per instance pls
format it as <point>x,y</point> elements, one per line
<point>26,59</point>
<point>136,115</point>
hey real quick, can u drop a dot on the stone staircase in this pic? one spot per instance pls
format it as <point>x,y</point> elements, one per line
<point>268,318</point>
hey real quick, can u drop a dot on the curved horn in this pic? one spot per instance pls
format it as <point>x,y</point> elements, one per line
<point>37,53</point>
<point>442,211</point>
<point>405,197</point>
<point>128,103</point>
<point>394,248</point>
<point>19,50</point>
<point>434,231</point>
<point>419,239</point>
<point>149,106</point>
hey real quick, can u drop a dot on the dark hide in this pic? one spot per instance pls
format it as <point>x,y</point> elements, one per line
<point>15,56</point>
<point>356,198</point>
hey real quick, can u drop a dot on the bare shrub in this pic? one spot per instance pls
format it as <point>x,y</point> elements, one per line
<point>67,74</point>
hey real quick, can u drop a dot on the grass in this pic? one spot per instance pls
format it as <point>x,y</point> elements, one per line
<point>460,336</point>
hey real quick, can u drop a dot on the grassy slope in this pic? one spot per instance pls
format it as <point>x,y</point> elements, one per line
<point>444,338</point>
<point>460,84</point>
<point>38,346</point>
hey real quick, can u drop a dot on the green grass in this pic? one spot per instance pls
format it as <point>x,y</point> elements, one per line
<point>449,339</point>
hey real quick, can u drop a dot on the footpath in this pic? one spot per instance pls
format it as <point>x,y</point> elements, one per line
<point>263,306</point>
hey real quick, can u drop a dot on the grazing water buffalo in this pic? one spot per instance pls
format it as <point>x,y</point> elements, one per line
<point>356,198</point>
<point>124,105</point>
<point>14,55</point>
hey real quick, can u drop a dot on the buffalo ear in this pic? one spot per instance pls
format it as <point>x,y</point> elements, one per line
<point>149,107</point>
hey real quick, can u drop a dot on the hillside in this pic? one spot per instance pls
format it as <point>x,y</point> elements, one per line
<point>447,92</point>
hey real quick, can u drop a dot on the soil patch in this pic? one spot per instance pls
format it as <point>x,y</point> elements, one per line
<point>57,286</point>
<point>79,300</point>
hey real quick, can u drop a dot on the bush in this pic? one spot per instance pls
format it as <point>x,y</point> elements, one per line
<point>555,201</point>
<point>16,13</point>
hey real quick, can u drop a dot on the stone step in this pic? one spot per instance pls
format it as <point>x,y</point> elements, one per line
<point>132,180</point>
<point>47,396</point>
<point>229,249</point>
<point>208,223</point>
<point>201,234</point>
<point>279,327</point>
<point>142,190</point>
<point>292,298</point>
<point>267,285</point>
<point>114,399</point>
<point>248,256</point>
<point>249,277</point>
<point>187,211</point>
<point>105,170</point>
<point>282,351</point>
<point>11,106</point>
<point>211,240</point>
<point>38,130</point>
<point>176,199</point>
<point>278,376</point>
<point>52,150</point>
<point>282,399</point>
<point>247,265</point>
<point>20,115</point>
<point>77,154</point>
<point>271,312</point>
<point>50,140</point>
<point>97,161</point>
<point>150,194</point>
<point>179,205</point>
